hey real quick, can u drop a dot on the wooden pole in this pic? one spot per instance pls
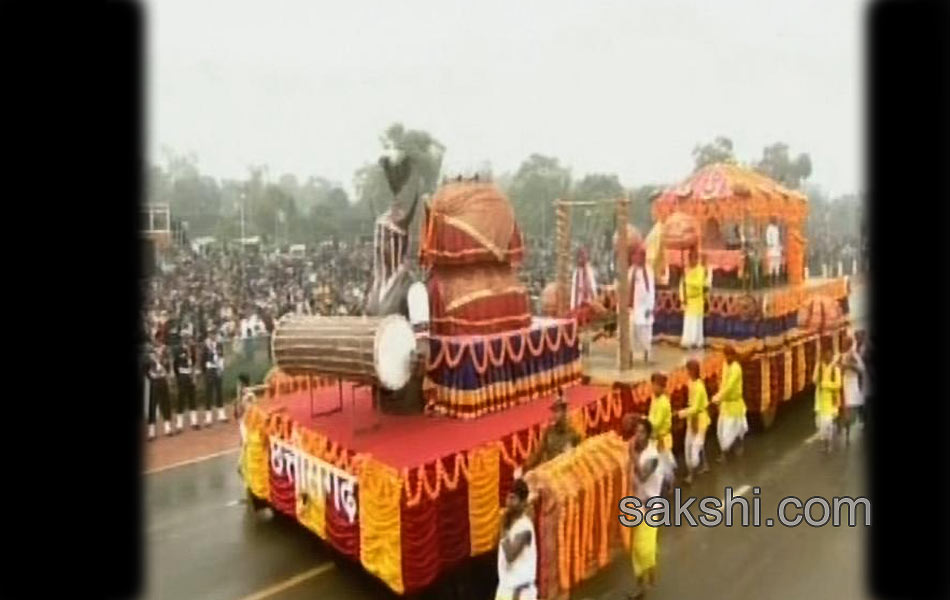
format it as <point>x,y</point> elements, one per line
<point>563,249</point>
<point>623,288</point>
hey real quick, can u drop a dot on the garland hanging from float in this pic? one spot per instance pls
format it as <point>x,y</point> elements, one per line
<point>550,339</point>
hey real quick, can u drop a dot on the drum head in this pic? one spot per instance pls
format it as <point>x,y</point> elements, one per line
<point>392,352</point>
<point>418,300</point>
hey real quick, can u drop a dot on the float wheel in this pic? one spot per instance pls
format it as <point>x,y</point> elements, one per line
<point>254,504</point>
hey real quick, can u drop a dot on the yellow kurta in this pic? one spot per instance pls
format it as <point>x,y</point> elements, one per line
<point>828,388</point>
<point>730,390</point>
<point>661,418</point>
<point>696,412</point>
<point>691,290</point>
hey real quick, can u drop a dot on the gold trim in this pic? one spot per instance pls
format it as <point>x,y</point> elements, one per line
<point>477,235</point>
<point>462,321</point>
<point>482,293</point>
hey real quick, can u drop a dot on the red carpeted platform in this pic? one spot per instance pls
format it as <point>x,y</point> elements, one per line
<point>408,441</point>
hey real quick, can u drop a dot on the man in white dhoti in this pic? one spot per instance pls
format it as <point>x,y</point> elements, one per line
<point>584,282</point>
<point>517,548</point>
<point>643,299</point>
<point>773,253</point>
<point>852,371</point>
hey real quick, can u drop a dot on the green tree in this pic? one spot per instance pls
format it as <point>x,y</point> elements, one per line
<point>777,164</point>
<point>641,206</point>
<point>719,150</point>
<point>270,212</point>
<point>373,195</point>
<point>539,181</point>
<point>589,222</point>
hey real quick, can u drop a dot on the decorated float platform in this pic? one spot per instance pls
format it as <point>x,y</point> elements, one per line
<point>771,375</point>
<point>414,497</point>
<point>754,319</point>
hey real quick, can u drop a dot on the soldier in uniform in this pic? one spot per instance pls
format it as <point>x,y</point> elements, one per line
<point>158,390</point>
<point>213,361</point>
<point>559,437</point>
<point>184,377</point>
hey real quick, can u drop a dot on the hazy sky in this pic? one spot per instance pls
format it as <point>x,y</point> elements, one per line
<point>625,87</point>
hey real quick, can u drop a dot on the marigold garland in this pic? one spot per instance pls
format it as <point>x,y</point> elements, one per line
<point>380,532</point>
<point>483,465</point>
<point>564,332</point>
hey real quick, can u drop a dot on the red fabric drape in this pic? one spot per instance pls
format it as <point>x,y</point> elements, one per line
<point>455,544</point>
<point>419,536</point>
<point>445,244</point>
<point>506,473</point>
<point>342,534</point>
<point>282,493</point>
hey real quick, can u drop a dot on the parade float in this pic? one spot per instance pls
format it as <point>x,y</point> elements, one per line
<point>414,494</point>
<point>776,324</point>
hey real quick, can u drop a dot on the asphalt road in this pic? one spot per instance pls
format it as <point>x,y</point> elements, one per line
<point>203,542</point>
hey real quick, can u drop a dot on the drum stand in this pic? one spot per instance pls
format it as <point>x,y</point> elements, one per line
<point>374,398</point>
<point>335,409</point>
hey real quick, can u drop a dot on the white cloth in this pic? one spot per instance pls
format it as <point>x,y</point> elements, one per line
<point>695,443</point>
<point>826,427</point>
<point>642,338</point>
<point>692,331</point>
<point>652,485</point>
<point>578,281</point>
<point>853,394</point>
<point>644,296</point>
<point>668,464</point>
<point>730,429</point>
<point>774,249</point>
<point>524,569</point>
<point>528,593</point>
<point>417,298</point>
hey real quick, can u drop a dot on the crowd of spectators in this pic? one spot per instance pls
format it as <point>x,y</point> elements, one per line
<point>242,294</point>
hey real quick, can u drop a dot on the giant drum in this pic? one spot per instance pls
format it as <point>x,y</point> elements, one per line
<point>377,350</point>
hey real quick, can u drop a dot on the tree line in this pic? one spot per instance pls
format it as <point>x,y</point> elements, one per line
<point>288,209</point>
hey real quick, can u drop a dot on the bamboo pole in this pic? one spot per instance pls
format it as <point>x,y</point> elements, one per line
<point>563,249</point>
<point>623,289</point>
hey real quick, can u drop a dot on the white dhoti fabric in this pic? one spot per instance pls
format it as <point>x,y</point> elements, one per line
<point>528,593</point>
<point>826,427</point>
<point>695,443</point>
<point>730,429</point>
<point>774,257</point>
<point>668,464</point>
<point>692,331</point>
<point>642,338</point>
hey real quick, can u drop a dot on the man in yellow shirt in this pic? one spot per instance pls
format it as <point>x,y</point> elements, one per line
<point>697,421</point>
<point>827,380</point>
<point>692,294</point>
<point>661,418</point>
<point>732,425</point>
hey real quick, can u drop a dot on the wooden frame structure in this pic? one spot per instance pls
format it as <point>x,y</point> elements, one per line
<point>563,245</point>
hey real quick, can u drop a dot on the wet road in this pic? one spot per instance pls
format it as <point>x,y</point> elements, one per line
<point>202,542</point>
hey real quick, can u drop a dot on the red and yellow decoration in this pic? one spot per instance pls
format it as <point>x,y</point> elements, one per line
<point>470,376</point>
<point>726,192</point>
<point>470,223</point>
<point>581,490</point>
